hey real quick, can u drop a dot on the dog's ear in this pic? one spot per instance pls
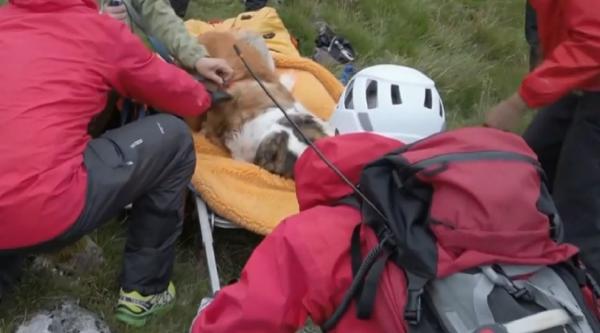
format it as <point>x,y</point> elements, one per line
<point>308,124</point>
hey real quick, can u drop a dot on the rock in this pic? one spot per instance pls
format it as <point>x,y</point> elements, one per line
<point>66,317</point>
<point>81,257</point>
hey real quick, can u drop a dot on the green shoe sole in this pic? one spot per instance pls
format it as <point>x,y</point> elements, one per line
<point>129,318</point>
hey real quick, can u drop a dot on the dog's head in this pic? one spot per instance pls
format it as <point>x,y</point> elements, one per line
<point>279,150</point>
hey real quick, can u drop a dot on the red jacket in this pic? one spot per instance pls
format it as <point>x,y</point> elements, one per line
<point>569,32</point>
<point>59,60</point>
<point>302,269</point>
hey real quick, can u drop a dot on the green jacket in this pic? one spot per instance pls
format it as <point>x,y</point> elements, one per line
<point>159,20</point>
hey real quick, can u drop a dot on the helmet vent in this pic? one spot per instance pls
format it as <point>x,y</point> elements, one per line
<point>441,109</point>
<point>396,98</point>
<point>372,94</point>
<point>349,100</point>
<point>428,101</point>
<point>365,121</point>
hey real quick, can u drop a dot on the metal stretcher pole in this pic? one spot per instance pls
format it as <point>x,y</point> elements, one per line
<point>207,240</point>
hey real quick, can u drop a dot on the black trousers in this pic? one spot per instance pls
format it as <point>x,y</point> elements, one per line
<point>148,163</point>
<point>566,137</point>
<point>180,7</point>
<point>532,36</point>
<point>252,5</point>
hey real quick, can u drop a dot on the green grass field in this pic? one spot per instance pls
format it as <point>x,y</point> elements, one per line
<point>474,49</point>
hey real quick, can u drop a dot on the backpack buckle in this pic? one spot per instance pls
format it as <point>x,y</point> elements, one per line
<point>496,274</point>
<point>413,309</point>
<point>520,293</point>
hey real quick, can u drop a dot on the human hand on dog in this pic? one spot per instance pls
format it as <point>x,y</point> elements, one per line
<point>214,69</point>
<point>117,12</point>
<point>507,114</point>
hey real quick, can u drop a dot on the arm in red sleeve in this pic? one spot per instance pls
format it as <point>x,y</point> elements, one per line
<point>302,269</point>
<point>141,75</point>
<point>269,295</point>
<point>574,63</point>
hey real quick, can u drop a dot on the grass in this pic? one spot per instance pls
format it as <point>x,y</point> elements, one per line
<point>474,49</point>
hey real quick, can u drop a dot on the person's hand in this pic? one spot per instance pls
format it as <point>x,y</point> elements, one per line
<point>214,69</point>
<point>117,12</point>
<point>507,114</point>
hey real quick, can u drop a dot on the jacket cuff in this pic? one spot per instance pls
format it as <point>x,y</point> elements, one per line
<point>535,93</point>
<point>190,58</point>
<point>525,94</point>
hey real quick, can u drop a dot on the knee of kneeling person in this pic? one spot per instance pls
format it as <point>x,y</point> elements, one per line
<point>178,135</point>
<point>175,129</point>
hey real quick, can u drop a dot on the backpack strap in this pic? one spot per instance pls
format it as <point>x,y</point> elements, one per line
<point>547,206</point>
<point>538,322</point>
<point>355,250</point>
<point>576,279</point>
<point>583,276</point>
<point>366,291</point>
<point>366,299</point>
<point>363,270</point>
<point>545,288</point>
<point>414,306</point>
<point>481,308</point>
<point>349,200</point>
<point>352,201</point>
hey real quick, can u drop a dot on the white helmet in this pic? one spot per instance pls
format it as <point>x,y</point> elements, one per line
<point>391,100</point>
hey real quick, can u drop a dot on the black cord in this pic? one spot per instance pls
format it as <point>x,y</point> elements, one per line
<point>308,141</point>
<point>356,282</point>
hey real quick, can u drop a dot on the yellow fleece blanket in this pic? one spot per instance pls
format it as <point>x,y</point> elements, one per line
<point>242,192</point>
<point>265,22</point>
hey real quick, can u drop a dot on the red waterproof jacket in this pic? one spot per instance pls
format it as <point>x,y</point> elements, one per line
<point>569,32</point>
<point>303,268</point>
<point>59,59</point>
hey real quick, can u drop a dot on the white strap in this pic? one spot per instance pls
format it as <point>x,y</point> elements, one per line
<point>539,322</point>
<point>482,290</point>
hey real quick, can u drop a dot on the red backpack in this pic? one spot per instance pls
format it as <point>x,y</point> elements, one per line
<point>467,216</point>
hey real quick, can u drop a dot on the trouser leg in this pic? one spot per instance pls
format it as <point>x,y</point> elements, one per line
<point>546,133</point>
<point>577,181</point>
<point>148,163</point>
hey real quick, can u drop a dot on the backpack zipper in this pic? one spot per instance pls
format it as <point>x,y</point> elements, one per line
<point>444,159</point>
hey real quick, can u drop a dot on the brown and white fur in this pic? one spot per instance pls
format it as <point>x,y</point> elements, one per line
<point>250,125</point>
